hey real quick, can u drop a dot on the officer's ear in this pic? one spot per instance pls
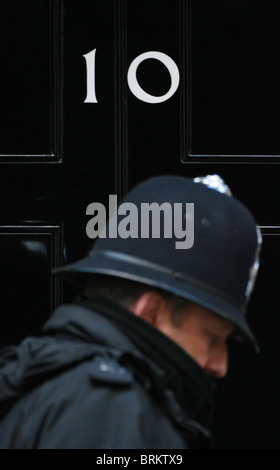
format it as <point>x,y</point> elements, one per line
<point>149,306</point>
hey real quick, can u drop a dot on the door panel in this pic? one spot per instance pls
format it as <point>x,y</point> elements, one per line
<point>30,80</point>
<point>57,153</point>
<point>29,294</point>
<point>233,77</point>
<point>247,411</point>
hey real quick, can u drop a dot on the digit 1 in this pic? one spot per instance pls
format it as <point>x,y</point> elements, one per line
<point>90,63</point>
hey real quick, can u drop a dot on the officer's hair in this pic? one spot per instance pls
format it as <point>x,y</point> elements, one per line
<point>125,292</point>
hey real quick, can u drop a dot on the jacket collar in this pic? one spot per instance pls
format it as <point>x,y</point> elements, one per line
<point>181,387</point>
<point>190,386</point>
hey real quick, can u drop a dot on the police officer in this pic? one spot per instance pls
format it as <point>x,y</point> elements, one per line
<point>129,364</point>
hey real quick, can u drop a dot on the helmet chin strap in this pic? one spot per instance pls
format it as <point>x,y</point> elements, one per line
<point>255,267</point>
<point>217,183</point>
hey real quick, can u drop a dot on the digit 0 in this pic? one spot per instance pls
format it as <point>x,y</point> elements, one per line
<point>136,88</point>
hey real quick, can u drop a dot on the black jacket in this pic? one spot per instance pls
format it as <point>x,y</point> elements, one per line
<point>101,378</point>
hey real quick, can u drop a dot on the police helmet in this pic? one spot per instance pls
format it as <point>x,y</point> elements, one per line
<point>190,237</point>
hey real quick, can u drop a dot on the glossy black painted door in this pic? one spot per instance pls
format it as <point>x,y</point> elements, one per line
<point>98,95</point>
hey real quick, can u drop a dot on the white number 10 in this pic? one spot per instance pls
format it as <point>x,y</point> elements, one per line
<point>133,83</point>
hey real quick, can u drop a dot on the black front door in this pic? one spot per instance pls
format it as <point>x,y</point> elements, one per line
<point>98,95</point>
